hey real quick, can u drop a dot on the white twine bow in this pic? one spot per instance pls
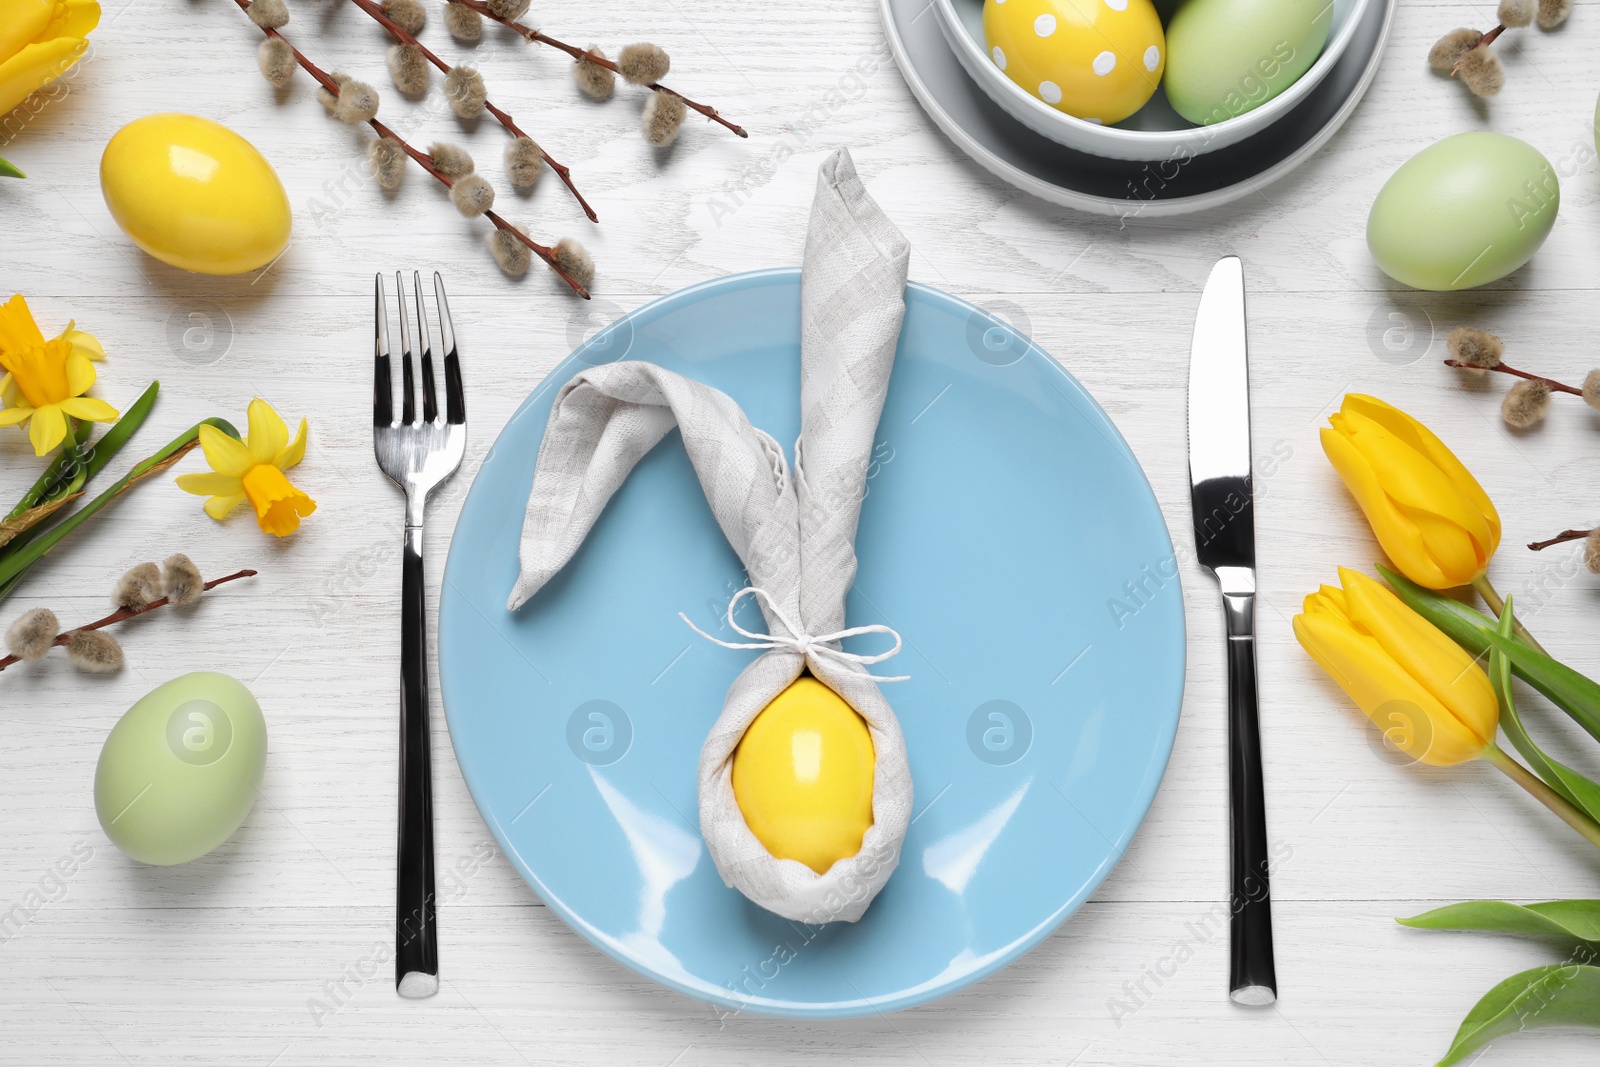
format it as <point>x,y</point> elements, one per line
<point>797,640</point>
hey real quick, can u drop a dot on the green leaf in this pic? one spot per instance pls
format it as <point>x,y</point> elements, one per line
<point>8,170</point>
<point>1573,693</point>
<point>39,492</point>
<point>1579,919</point>
<point>1560,994</point>
<point>15,564</point>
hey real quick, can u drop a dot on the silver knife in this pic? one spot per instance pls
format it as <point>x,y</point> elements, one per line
<point>1222,496</point>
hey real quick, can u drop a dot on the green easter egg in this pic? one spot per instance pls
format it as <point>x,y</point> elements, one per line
<point>179,771</point>
<point>1463,212</point>
<point>1226,57</point>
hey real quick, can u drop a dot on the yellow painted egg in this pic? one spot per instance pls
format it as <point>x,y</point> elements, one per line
<point>802,776</point>
<point>195,194</point>
<point>1099,60</point>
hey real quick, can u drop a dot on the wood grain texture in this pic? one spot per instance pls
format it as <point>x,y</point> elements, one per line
<point>259,953</point>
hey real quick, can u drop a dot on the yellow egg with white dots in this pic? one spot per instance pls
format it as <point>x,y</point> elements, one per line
<point>1099,60</point>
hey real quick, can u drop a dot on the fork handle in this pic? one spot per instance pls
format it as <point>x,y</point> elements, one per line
<point>416,956</point>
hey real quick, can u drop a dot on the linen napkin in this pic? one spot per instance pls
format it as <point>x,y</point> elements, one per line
<point>794,532</point>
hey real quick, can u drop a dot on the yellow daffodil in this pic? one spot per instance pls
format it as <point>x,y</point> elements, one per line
<point>1425,692</point>
<point>1429,513</point>
<point>252,470</point>
<point>45,381</point>
<point>40,40</point>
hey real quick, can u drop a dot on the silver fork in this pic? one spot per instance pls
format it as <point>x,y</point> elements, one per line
<point>417,455</point>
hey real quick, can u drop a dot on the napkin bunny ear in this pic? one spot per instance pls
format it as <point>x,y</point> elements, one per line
<point>852,300</point>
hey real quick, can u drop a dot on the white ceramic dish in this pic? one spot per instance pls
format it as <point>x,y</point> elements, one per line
<point>1015,154</point>
<point>1156,131</point>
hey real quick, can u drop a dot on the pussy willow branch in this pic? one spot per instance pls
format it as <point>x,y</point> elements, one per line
<point>532,35</point>
<point>500,116</point>
<point>422,160</point>
<point>123,614</point>
<point>1559,539</point>
<point>1501,368</point>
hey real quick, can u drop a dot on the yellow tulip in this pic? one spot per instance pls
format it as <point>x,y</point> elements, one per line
<point>1429,513</point>
<point>44,381</point>
<point>252,470</point>
<point>1425,692</point>
<point>40,40</point>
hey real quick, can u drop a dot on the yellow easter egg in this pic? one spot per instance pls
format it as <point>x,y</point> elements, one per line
<point>1099,60</point>
<point>195,194</point>
<point>802,776</point>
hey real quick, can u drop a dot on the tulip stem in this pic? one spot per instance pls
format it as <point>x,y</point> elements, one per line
<point>1498,605</point>
<point>1544,794</point>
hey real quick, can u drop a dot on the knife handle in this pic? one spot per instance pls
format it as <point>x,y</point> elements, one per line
<point>1252,978</point>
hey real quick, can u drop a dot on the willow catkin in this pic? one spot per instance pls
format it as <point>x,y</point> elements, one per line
<point>452,161</point>
<point>512,255</point>
<point>269,14</point>
<point>409,69</point>
<point>409,15</point>
<point>94,651</point>
<point>1591,551</point>
<point>31,636</point>
<point>573,258</point>
<point>183,581</point>
<point>509,9</point>
<point>1525,404</point>
<point>388,163</point>
<point>524,162</point>
<point>1591,389</point>
<point>464,23</point>
<point>643,64</point>
<point>1553,13</point>
<point>465,90</point>
<point>276,60</point>
<point>1478,349</point>
<point>596,81</point>
<point>1448,50</point>
<point>663,118</point>
<point>1515,13</point>
<point>139,587</point>
<point>472,195</point>
<point>1481,72</point>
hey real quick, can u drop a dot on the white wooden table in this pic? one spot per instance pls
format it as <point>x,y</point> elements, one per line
<point>263,952</point>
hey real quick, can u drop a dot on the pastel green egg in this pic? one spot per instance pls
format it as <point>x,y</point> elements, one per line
<point>1463,212</point>
<point>179,771</point>
<point>1226,57</point>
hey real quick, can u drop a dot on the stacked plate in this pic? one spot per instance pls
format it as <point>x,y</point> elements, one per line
<point>1153,164</point>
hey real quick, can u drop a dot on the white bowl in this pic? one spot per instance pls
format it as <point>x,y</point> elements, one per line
<point>1156,131</point>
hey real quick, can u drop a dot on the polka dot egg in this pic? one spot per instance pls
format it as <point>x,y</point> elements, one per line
<point>1100,60</point>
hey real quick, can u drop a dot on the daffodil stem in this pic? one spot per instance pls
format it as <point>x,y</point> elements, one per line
<point>1497,604</point>
<point>14,565</point>
<point>1544,794</point>
<point>124,614</point>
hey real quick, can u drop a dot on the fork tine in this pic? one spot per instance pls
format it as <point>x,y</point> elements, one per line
<point>455,397</point>
<point>430,409</point>
<point>382,396</point>
<point>408,403</point>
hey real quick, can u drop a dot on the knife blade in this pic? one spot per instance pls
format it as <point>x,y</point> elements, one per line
<point>1221,493</point>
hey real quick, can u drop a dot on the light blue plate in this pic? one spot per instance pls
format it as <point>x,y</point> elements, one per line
<point>1008,534</point>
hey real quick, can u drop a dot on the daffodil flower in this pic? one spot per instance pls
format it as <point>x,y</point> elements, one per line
<point>45,380</point>
<point>252,470</point>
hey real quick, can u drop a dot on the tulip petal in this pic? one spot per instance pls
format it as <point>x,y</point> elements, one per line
<point>35,66</point>
<point>1398,535</point>
<point>267,435</point>
<point>47,430</point>
<point>21,21</point>
<point>227,455</point>
<point>1412,718</point>
<point>1424,652</point>
<point>1423,440</point>
<point>74,18</point>
<point>1412,478</point>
